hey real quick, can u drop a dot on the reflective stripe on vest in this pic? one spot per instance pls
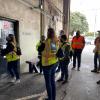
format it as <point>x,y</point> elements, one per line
<point>48,57</point>
<point>11,57</point>
<point>61,58</point>
<point>77,43</point>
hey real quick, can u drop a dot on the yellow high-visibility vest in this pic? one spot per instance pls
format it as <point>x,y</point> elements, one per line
<point>37,45</point>
<point>49,56</point>
<point>12,56</point>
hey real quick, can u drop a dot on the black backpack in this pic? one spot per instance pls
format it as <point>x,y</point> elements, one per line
<point>60,53</point>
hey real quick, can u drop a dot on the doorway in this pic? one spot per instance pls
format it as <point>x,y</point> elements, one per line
<point>7,26</point>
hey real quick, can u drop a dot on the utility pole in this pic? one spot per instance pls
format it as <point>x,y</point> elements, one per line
<point>66,16</point>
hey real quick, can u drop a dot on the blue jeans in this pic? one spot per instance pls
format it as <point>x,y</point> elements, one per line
<point>13,69</point>
<point>49,75</point>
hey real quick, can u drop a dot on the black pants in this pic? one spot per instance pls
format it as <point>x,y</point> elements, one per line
<point>77,55</point>
<point>13,69</point>
<point>96,59</point>
<point>64,70</point>
<point>40,63</point>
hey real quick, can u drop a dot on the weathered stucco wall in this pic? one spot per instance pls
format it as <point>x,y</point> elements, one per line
<point>57,22</point>
<point>29,27</point>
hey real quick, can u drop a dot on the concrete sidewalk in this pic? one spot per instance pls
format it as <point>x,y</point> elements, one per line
<point>82,84</point>
<point>31,84</point>
<point>32,87</point>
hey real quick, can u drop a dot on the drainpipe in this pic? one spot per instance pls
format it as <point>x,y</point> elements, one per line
<point>66,16</point>
<point>41,5</point>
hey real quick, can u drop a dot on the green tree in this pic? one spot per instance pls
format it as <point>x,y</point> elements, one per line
<point>78,21</point>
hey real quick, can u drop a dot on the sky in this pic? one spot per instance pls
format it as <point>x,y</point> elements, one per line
<point>91,9</point>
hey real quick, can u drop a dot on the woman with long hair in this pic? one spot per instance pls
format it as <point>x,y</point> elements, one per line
<point>12,58</point>
<point>49,63</point>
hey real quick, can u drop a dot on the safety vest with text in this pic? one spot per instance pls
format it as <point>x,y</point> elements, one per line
<point>49,53</point>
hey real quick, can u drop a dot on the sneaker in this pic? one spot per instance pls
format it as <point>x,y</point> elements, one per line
<point>59,80</point>
<point>17,81</point>
<point>78,69</point>
<point>94,70</point>
<point>13,80</point>
<point>98,82</point>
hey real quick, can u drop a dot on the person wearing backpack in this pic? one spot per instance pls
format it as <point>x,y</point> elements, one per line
<point>59,38</point>
<point>40,48</point>
<point>12,56</point>
<point>64,57</point>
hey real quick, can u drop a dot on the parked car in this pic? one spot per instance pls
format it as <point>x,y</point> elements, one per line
<point>87,41</point>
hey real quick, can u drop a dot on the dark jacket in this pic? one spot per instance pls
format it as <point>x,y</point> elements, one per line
<point>41,48</point>
<point>66,50</point>
<point>8,49</point>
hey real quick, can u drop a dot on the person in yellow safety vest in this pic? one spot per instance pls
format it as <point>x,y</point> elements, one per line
<point>64,58</point>
<point>78,43</point>
<point>49,63</point>
<point>39,48</point>
<point>96,54</point>
<point>59,43</point>
<point>12,58</point>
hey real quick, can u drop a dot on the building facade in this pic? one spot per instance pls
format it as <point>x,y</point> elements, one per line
<point>28,20</point>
